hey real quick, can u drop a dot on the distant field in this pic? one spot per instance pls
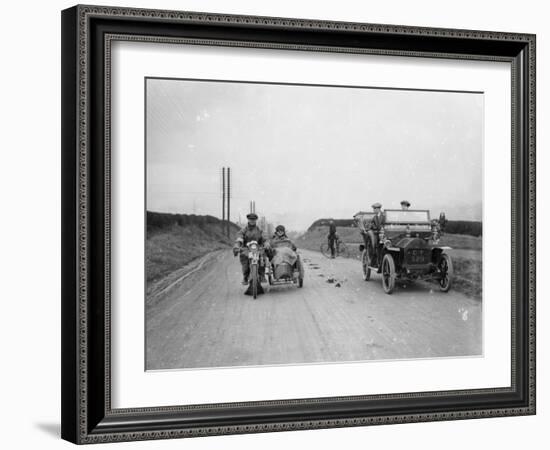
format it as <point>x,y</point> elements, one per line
<point>467,227</point>
<point>313,239</point>
<point>468,276</point>
<point>461,241</point>
<point>466,258</point>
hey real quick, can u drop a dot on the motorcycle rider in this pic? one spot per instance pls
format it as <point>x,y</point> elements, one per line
<point>251,232</point>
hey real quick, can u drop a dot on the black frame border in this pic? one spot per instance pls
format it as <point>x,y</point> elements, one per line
<point>87,32</point>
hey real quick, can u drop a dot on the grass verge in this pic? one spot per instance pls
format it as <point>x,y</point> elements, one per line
<point>168,249</point>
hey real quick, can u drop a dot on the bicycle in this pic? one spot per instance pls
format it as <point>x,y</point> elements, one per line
<point>340,249</point>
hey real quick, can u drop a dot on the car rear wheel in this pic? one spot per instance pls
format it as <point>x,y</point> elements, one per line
<point>365,260</point>
<point>388,273</point>
<point>445,266</point>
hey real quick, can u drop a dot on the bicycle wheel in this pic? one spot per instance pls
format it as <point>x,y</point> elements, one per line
<point>325,249</point>
<point>343,250</point>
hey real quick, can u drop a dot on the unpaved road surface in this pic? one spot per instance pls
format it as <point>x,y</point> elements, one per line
<point>206,321</point>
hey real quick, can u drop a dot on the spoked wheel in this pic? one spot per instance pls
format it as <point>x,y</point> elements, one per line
<point>254,281</point>
<point>300,272</point>
<point>269,273</point>
<point>365,261</point>
<point>445,266</point>
<point>388,273</point>
<point>325,249</point>
<point>343,250</point>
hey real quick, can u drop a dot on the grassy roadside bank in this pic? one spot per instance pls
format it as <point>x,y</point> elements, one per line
<point>178,242</point>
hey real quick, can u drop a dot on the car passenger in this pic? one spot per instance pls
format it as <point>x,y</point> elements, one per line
<point>281,251</point>
<point>376,225</point>
<point>405,205</point>
<point>378,219</point>
<point>280,237</point>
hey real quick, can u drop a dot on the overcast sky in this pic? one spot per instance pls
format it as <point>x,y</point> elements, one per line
<point>305,152</point>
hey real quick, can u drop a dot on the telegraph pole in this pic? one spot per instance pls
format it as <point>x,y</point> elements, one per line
<point>223,195</point>
<point>228,200</point>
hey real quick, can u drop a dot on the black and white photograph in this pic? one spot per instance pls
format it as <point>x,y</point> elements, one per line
<point>296,224</point>
<point>280,219</point>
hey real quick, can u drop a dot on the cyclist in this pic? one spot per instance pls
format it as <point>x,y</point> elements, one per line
<point>332,238</point>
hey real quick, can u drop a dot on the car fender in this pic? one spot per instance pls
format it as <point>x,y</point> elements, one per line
<point>393,249</point>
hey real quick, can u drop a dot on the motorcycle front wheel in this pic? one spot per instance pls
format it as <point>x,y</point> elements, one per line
<point>254,280</point>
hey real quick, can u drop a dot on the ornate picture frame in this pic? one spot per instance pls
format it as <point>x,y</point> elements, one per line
<point>88,33</point>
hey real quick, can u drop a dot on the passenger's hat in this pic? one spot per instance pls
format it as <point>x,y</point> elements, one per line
<point>377,205</point>
<point>405,202</point>
<point>252,216</point>
<point>279,228</point>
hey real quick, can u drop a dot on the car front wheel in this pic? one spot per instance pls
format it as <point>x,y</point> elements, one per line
<point>445,266</point>
<point>388,273</point>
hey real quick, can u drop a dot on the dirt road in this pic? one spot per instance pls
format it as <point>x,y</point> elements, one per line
<point>206,321</point>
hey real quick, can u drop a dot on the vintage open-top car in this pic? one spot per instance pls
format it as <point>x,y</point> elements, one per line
<point>405,248</point>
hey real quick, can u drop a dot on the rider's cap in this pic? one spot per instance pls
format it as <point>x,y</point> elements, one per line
<point>253,216</point>
<point>405,202</point>
<point>279,228</point>
<point>377,205</point>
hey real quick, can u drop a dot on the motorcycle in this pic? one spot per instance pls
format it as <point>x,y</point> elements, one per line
<point>255,259</point>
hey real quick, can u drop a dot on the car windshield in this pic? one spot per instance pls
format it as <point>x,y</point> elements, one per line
<point>407,216</point>
<point>362,215</point>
